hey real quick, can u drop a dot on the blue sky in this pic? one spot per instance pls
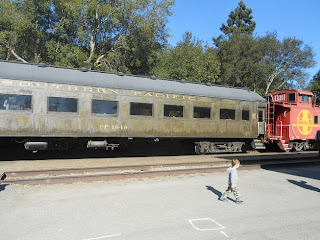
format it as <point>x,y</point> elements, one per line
<point>290,18</point>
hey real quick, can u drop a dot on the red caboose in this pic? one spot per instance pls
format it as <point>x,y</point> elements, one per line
<point>293,119</point>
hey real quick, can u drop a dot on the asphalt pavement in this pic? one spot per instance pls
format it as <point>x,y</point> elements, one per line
<point>279,203</point>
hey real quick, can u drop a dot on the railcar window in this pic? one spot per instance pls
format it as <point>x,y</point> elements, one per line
<point>15,102</point>
<point>142,109</point>
<point>201,112</point>
<point>316,119</point>
<point>104,107</point>
<point>173,111</point>
<point>57,104</point>
<point>260,116</point>
<point>304,98</point>
<point>292,97</point>
<point>228,114</point>
<point>245,115</point>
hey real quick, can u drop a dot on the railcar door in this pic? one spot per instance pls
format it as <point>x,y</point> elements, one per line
<point>261,120</point>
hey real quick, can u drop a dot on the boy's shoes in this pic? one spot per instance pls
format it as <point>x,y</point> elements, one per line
<point>223,199</point>
<point>239,202</point>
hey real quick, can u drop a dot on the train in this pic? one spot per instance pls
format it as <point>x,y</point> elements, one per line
<point>292,120</point>
<point>50,108</point>
<point>53,108</point>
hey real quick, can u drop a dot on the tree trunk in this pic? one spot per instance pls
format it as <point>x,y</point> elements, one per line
<point>15,54</point>
<point>92,46</point>
<point>271,79</point>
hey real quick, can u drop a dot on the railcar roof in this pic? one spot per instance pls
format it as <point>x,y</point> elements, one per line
<point>51,74</point>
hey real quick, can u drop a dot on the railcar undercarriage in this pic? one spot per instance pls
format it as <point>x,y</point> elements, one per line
<point>164,145</point>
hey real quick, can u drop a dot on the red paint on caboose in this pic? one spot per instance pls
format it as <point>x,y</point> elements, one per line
<point>293,119</point>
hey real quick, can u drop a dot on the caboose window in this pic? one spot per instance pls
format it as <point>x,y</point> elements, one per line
<point>245,115</point>
<point>316,119</point>
<point>292,97</point>
<point>228,114</point>
<point>57,104</point>
<point>104,107</point>
<point>173,111</point>
<point>15,102</point>
<point>201,112</point>
<point>304,98</point>
<point>142,109</point>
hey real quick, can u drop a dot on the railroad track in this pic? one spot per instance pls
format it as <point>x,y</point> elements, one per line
<point>58,176</point>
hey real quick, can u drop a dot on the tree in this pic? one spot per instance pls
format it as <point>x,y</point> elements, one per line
<point>239,22</point>
<point>190,61</point>
<point>23,28</point>
<point>241,64</point>
<point>117,35</point>
<point>260,63</point>
<point>286,61</point>
<point>113,35</point>
<point>315,83</point>
<point>237,51</point>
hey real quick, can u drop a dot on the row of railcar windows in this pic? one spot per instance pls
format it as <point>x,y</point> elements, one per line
<point>57,104</point>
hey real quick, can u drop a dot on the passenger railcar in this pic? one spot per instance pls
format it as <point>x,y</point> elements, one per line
<point>47,107</point>
<point>293,119</point>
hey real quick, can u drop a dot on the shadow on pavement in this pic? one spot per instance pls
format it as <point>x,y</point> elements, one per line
<point>2,187</point>
<point>310,171</point>
<point>218,193</point>
<point>304,184</point>
<point>215,191</point>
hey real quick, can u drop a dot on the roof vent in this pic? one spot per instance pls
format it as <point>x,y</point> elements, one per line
<point>208,83</point>
<point>183,81</point>
<point>121,74</point>
<point>83,69</point>
<point>41,64</point>
<point>153,77</point>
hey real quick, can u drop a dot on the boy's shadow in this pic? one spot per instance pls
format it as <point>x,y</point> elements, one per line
<point>2,187</point>
<point>217,192</point>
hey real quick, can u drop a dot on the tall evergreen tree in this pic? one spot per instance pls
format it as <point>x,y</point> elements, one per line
<point>239,22</point>
<point>236,49</point>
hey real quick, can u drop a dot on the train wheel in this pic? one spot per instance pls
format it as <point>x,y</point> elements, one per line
<point>197,149</point>
<point>297,147</point>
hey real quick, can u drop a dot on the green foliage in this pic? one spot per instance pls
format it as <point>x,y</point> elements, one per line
<point>131,36</point>
<point>190,61</point>
<point>260,63</point>
<point>108,35</point>
<point>314,86</point>
<point>315,83</point>
<point>239,22</point>
<point>286,62</point>
<point>67,55</point>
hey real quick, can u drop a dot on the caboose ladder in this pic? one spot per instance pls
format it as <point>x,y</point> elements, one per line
<point>271,119</point>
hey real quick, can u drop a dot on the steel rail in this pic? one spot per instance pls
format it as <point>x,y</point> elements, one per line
<point>58,176</point>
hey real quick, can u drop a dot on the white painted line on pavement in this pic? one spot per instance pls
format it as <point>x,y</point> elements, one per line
<point>224,234</point>
<point>206,229</point>
<point>109,236</point>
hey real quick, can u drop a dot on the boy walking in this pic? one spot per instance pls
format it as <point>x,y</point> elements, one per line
<point>232,183</point>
